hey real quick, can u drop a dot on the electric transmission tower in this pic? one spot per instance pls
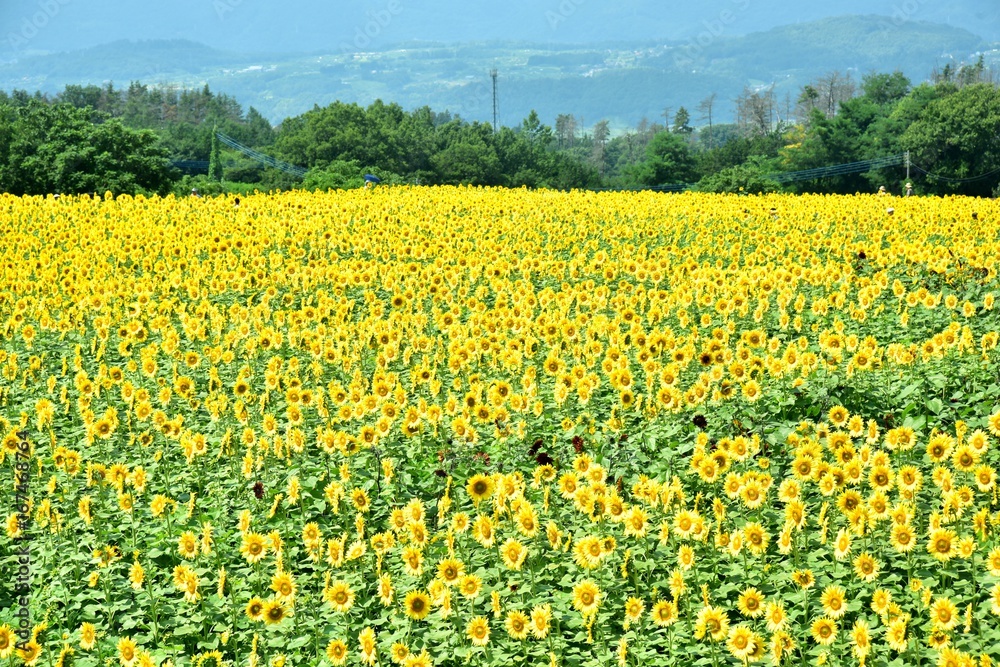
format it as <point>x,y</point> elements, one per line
<point>493,75</point>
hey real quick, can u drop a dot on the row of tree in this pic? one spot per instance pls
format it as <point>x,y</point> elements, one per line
<point>156,140</point>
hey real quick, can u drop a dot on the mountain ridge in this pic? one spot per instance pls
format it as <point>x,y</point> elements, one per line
<point>623,83</point>
<point>36,26</point>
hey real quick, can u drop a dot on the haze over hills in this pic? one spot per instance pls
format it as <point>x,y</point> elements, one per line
<point>564,67</point>
<point>297,26</point>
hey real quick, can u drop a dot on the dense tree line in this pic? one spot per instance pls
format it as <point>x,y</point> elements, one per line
<point>59,148</point>
<point>155,139</point>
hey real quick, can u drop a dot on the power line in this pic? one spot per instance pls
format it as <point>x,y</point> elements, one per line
<point>260,157</point>
<point>838,169</point>
<point>950,179</point>
<point>198,165</point>
<point>793,176</point>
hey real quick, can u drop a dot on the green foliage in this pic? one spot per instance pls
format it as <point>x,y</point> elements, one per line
<point>950,127</point>
<point>345,132</point>
<point>682,122</point>
<point>61,149</point>
<point>343,175</point>
<point>215,160</point>
<point>471,161</point>
<point>668,160</point>
<point>883,88</point>
<point>958,136</point>
<point>208,187</point>
<point>750,177</point>
<point>732,151</point>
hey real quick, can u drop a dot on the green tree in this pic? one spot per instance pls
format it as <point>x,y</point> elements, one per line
<point>735,149</point>
<point>682,122</point>
<point>668,160</point>
<point>215,158</point>
<point>342,131</point>
<point>956,138</point>
<point>343,175</point>
<point>883,88</point>
<point>468,156</point>
<point>751,177</point>
<point>61,149</point>
<point>536,133</point>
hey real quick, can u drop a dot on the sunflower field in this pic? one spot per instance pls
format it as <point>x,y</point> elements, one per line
<point>455,426</point>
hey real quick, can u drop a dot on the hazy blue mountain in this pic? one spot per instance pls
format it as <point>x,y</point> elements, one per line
<point>296,26</point>
<point>621,81</point>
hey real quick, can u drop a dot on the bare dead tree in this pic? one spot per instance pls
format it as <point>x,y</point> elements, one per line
<point>601,135</point>
<point>835,88</point>
<point>566,130</point>
<point>755,111</point>
<point>705,108</point>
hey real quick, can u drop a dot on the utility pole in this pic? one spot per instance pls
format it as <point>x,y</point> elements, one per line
<point>906,159</point>
<point>493,75</point>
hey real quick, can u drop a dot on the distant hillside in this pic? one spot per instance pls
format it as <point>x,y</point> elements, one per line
<point>295,26</point>
<point>623,83</point>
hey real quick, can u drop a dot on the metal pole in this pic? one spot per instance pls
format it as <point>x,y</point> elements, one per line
<point>493,75</point>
